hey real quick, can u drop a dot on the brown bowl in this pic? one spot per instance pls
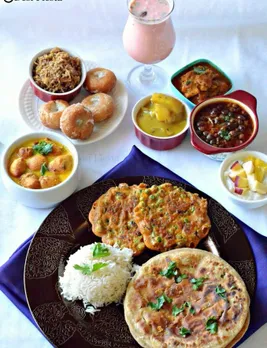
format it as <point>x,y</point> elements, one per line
<point>244,99</point>
<point>151,141</point>
<point>46,95</point>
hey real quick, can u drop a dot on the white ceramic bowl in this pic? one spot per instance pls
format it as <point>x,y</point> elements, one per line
<point>240,155</point>
<point>41,198</point>
<point>154,142</point>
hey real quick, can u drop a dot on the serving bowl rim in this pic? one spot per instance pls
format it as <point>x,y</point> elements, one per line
<point>72,54</point>
<point>15,143</point>
<point>216,150</point>
<point>199,61</point>
<point>226,162</point>
<point>135,111</point>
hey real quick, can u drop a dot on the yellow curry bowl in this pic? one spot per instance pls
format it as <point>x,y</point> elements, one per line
<point>161,121</point>
<point>40,169</point>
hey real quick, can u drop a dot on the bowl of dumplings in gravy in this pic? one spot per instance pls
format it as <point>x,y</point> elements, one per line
<point>161,121</point>
<point>40,169</point>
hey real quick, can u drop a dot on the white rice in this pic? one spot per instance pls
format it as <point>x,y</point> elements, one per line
<point>101,287</point>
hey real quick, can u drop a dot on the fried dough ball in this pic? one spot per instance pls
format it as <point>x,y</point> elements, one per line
<point>51,112</point>
<point>77,122</point>
<point>60,164</point>
<point>101,105</point>
<point>25,152</point>
<point>30,180</point>
<point>49,181</point>
<point>100,80</point>
<point>18,167</point>
<point>36,162</point>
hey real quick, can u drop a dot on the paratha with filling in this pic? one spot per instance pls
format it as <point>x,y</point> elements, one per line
<point>112,217</point>
<point>170,217</point>
<point>187,298</point>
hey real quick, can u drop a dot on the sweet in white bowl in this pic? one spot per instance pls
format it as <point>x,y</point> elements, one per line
<point>240,156</point>
<point>40,198</point>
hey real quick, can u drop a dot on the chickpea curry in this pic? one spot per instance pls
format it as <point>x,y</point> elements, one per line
<point>162,116</point>
<point>200,82</point>
<point>40,164</point>
<point>223,125</point>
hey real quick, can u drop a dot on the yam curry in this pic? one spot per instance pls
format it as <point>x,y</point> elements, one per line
<point>200,82</point>
<point>162,116</point>
<point>40,164</point>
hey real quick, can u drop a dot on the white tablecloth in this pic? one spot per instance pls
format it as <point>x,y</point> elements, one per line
<point>233,34</point>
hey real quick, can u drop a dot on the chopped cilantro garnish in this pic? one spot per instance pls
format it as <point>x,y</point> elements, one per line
<point>180,278</point>
<point>100,250</point>
<point>170,271</point>
<point>160,302</point>
<point>88,269</point>
<point>212,325</point>
<point>233,287</point>
<point>220,291</point>
<point>225,134</point>
<point>43,148</point>
<point>43,169</point>
<point>188,82</point>
<point>186,220</point>
<point>184,332</point>
<point>200,70</point>
<point>177,310</point>
<point>197,282</point>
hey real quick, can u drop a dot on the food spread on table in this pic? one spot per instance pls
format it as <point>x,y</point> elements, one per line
<point>223,124</point>
<point>200,82</point>
<point>57,71</point>
<point>40,164</point>
<point>182,296</point>
<point>187,298</point>
<point>162,116</point>
<point>247,179</point>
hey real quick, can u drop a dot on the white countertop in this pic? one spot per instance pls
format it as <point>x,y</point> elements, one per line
<point>232,34</point>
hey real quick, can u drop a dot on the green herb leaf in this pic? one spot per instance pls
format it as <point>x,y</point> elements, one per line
<point>170,271</point>
<point>233,287</point>
<point>186,220</point>
<point>188,82</point>
<point>184,332</point>
<point>200,70</point>
<point>225,134</point>
<point>226,118</point>
<point>197,282</point>
<point>160,302</point>
<point>100,250</point>
<point>192,310</point>
<point>43,169</point>
<point>221,292</point>
<point>159,239</point>
<point>180,278</point>
<point>192,209</point>
<point>212,325</point>
<point>176,310</point>
<point>88,269</point>
<point>43,148</point>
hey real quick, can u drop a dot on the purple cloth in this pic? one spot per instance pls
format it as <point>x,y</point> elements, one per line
<point>138,164</point>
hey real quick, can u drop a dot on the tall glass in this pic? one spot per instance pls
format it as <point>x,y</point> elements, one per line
<point>148,40</point>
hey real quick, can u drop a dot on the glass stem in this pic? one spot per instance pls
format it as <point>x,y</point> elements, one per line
<point>147,75</point>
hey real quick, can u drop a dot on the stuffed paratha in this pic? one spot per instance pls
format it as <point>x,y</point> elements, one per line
<point>187,298</point>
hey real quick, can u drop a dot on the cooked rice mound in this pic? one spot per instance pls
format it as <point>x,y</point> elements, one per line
<point>101,287</point>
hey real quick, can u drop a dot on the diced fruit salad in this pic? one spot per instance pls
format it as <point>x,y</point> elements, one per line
<point>248,178</point>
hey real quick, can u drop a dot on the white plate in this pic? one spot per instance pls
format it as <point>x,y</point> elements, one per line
<point>29,106</point>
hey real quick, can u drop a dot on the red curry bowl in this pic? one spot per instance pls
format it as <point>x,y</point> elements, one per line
<point>246,101</point>
<point>47,96</point>
<point>154,142</point>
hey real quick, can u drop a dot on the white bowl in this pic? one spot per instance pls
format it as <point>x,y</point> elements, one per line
<point>40,198</point>
<point>240,155</point>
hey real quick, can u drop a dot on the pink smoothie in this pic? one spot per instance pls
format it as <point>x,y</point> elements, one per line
<point>149,36</point>
<point>150,9</point>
